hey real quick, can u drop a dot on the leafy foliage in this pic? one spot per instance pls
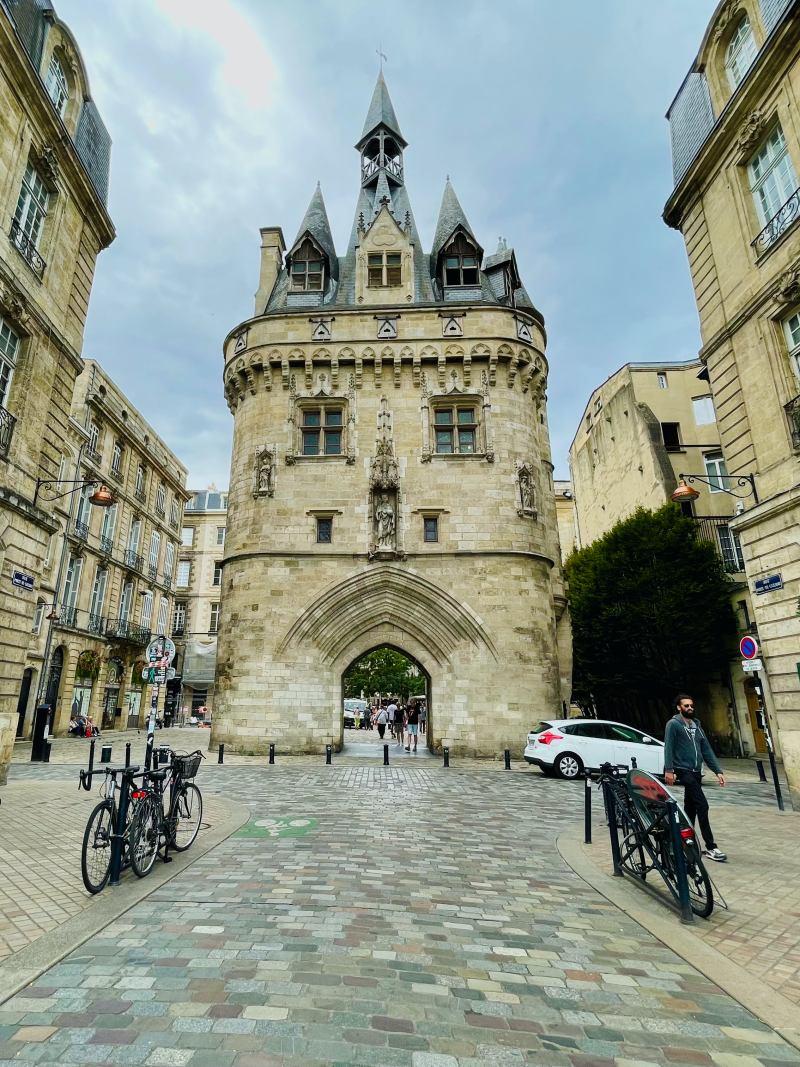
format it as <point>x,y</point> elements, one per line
<point>651,616</point>
<point>383,671</point>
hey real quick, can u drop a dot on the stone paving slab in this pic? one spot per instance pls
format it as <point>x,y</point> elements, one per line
<point>375,918</point>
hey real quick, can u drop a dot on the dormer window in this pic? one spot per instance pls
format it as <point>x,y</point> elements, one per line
<point>740,53</point>
<point>307,269</point>
<point>461,262</point>
<point>56,85</point>
<point>384,270</point>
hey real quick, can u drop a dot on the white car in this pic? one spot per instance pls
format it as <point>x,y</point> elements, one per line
<point>569,746</point>
<point>351,706</point>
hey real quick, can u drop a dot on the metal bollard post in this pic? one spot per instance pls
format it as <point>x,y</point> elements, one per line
<point>587,809</point>
<point>156,759</point>
<point>446,754</point>
<point>46,751</point>
<point>386,755</point>
<point>611,809</point>
<point>105,754</point>
<point>85,777</point>
<point>775,780</point>
<point>762,774</point>
<point>128,754</point>
<point>328,753</point>
<point>634,764</point>
<point>507,758</point>
<point>117,838</point>
<point>687,915</point>
<point>221,754</point>
<point>272,753</point>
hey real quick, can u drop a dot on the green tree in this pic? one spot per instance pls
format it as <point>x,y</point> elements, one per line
<point>383,671</point>
<point>651,616</point>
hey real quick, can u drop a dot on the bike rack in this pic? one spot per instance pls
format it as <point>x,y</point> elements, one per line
<point>85,777</point>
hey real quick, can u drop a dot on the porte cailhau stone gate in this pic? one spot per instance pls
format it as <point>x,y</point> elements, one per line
<point>391,480</point>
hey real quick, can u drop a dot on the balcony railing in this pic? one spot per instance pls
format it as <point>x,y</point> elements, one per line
<point>116,473</point>
<point>67,616</point>
<point>792,410</point>
<point>173,522</point>
<point>131,559</point>
<point>106,545</point>
<point>124,630</point>
<point>91,455</point>
<point>178,631</point>
<point>716,530</point>
<point>370,167</point>
<point>779,223</point>
<point>152,572</point>
<point>140,495</point>
<point>7,424</point>
<point>77,619</point>
<point>166,581</point>
<point>26,248</point>
<point>160,511</point>
<point>81,530</point>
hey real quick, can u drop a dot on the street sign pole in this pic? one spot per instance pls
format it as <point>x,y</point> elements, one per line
<point>762,714</point>
<point>160,653</point>
<point>151,722</point>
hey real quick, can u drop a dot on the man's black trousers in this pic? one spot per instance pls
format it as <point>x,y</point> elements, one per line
<point>695,804</point>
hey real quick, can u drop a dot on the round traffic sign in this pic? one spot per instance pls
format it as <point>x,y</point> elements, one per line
<point>748,646</point>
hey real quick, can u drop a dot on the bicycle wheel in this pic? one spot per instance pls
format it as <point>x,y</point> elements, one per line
<point>701,895</point>
<point>144,834</point>
<point>96,851</point>
<point>185,817</point>
<point>631,853</point>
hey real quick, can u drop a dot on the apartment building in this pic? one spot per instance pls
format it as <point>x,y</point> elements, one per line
<point>643,429</point>
<point>197,596</point>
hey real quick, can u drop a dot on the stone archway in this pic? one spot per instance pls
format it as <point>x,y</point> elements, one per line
<point>426,680</point>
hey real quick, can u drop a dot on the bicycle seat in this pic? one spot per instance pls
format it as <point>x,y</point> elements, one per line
<point>120,770</point>
<point>158,776</point>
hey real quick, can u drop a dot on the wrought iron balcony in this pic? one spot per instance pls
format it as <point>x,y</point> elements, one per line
<point>178,631</point>
<point>26,248</point>
<point>779,223</point>
<point>106,545</point>
<point>67,616</point>
<point>96,624</point>
<point>7,424</point>
<point>75,619</point>
<point>152,571</point>
<point>792,410</point>
<point>166,581</point>
<point>124,630</point>
<point>91,455</point>
<point>716,530</point>
<point>140,495</point>
<point>116,473</point>
<point>131,559</point>
<point>81,531</point>
<point>160,511</point>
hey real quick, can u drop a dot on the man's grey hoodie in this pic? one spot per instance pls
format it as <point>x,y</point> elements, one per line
<point>684,753</point>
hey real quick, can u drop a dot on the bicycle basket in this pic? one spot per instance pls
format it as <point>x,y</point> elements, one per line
<point>187,766</point>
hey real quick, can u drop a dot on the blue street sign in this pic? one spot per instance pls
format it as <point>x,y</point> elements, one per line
<point>748,647</point>
<point>22,580</point>
<point>768,584</point>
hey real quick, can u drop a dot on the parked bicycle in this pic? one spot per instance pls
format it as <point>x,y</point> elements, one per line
<point>641,808</point>
<point>102,825</point>
<point>177,827</point>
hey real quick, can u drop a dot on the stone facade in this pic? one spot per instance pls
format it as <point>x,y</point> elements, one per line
<point>565,516</point>
<point>737,205</point>
<point>643,428</point>
<point>110,573</point>
<point>391,480</point>
<point>53,224</point>
<point>197,595</point>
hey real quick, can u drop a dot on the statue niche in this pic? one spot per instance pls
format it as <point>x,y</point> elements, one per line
<point>264,472</point>
<point>384,485</point>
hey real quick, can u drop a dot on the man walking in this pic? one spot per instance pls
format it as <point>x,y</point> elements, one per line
<point>412,725</point>
<point>380,721</point>
<point>686,747</point>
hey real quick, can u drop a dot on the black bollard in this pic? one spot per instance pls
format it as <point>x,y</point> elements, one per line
<point>221,754</point>
<point>105,754</point>
<point>587,809</point>
<point>46,752</point>
<point>155,759</point>
<point>128,754</point>
<point>386,755</point>
<point>328,754</point>
<point>507,758</point>
<point>762,774</point>
<point>272,753</point>
<point>446,754</point>
<point>634,764</point>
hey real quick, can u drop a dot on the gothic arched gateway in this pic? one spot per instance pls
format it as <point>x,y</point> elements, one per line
<point>391,480</point>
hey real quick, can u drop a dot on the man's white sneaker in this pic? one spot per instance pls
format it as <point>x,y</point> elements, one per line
<point>715,854</point>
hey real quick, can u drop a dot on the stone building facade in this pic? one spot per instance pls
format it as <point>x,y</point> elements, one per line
<point>391,479</point>
<point>643,428</point>
<point>54,162</point>
<point>109,576</point>
<point>565,517</point>
<point>195,621</point>
<point>736,156</point>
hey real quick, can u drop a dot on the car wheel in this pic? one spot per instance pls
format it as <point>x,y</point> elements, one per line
<point>569,765</point>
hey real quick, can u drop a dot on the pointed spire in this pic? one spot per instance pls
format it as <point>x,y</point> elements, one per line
<point>381,113</point>
<point>382,193</point>
<point>451,216</point>
<point>315,222</point>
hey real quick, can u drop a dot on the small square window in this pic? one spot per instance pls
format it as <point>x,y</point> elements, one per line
<point>430,528</point>
<point>662,381</point>
<point>324,530</point>
<point>671,433</point>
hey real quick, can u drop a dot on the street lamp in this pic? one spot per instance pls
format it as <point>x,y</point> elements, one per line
<point>685,492</point>
<point>102,497</point>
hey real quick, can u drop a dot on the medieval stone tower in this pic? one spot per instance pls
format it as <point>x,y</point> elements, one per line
<point>391,479</point>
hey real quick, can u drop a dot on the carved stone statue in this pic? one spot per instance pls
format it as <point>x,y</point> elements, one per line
<point>385,524</point>
<point>265,473</point>
<point>527,490</point>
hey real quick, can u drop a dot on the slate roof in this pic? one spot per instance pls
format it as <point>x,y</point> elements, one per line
<point>381,113</point>
<point>451,215</point>
<point>315,222</point>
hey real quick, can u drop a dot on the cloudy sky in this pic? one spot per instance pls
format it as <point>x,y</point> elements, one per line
<point>549,118</point>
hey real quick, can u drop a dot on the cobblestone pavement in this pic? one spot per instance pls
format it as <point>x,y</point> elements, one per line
<point>760,883</point>
<point>382,917</point>
<point>41,832</point>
